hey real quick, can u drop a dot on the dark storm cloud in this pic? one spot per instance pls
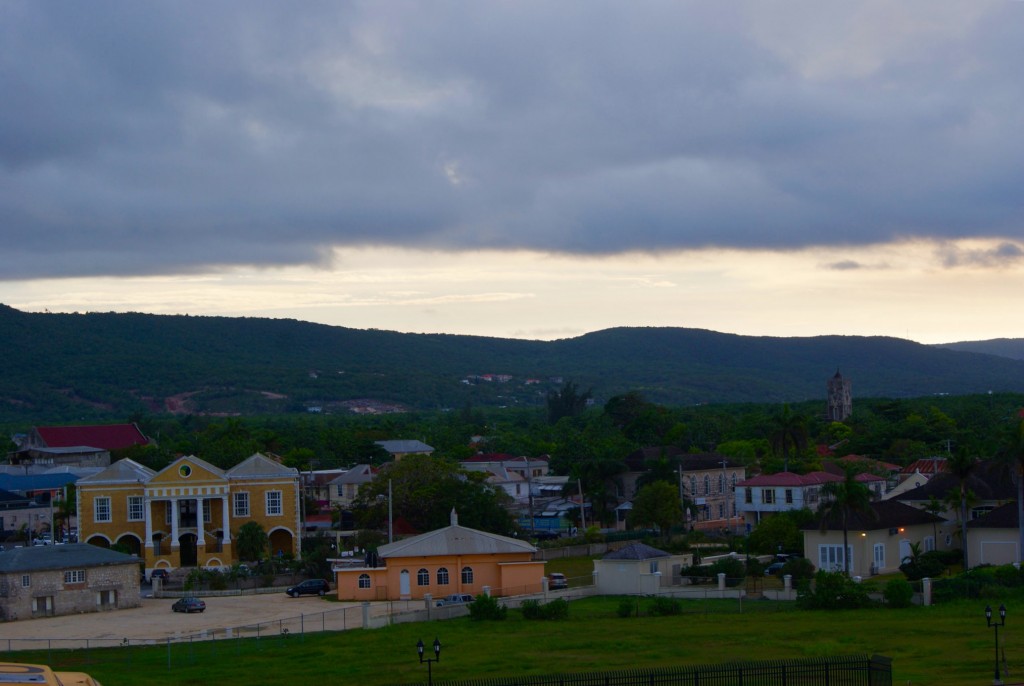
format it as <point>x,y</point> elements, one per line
<point>140,138</point>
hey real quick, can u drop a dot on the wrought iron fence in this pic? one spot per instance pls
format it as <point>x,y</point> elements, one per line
<point>852,670</point>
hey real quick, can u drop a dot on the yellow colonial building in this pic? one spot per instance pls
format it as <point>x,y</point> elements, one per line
<point>448,561</point>
<point>188,514</point>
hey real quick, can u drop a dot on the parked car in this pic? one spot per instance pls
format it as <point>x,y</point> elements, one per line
<point>161,574</point>
<point>188,605</point>
<point>309,587</point>
<point>455,599</point>
<point>774,568</point>
<point>557,582</point>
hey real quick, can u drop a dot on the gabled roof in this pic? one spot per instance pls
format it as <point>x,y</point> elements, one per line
<point>930,465</point>
<point>106,436</point>
<point>636,551</point>
<point>360,474</point>
<point>405,447</point>
<point>40,558</point>
<point>989,481</point>
<point>791,480</point>
<point>259,465</point>
<point>122,471</point>
<point>1003,517</point>
<point>887,514</point>
<point>454,540</point>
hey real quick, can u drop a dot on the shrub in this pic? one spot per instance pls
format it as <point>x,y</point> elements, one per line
<point>531,609</point>
<point>734,570</point>
<point>664,607</point>
<point>755,567</point>
<point>898,593</point>
<point>218,581</point>
<point>926,565</point>
<point>832,591</point>
<point>799,568</point>
<point>626,607</point>
<point>1007,575</point>
<point>956,588</point>
<point>485,607</point>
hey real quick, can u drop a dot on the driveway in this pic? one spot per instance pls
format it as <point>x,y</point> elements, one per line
<point>224,617</point>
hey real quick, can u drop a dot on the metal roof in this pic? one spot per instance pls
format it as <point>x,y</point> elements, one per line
<point>454,540</point>
<point>40,558</point>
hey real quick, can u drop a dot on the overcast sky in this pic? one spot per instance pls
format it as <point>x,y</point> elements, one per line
<point>519,169</point>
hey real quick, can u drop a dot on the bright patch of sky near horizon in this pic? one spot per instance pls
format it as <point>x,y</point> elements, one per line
<point>527,169</point>
<point>542,296</point>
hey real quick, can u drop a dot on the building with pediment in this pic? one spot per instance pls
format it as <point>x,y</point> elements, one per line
<point>188,514</point>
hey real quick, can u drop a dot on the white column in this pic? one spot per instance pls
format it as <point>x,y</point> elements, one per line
<point>225,502</point>
<point>147,507</point>
<point>200,524</point>
<point>174,522</point>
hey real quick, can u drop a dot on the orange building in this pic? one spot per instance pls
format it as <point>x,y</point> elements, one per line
<point>188,514</point>
<point>444,562</point>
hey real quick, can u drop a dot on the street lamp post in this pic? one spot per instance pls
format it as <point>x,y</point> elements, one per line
<point>429,660</point>
<point>1002,622</point>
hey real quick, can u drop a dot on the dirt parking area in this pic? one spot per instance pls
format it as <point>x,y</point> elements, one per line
<point>154,620</point>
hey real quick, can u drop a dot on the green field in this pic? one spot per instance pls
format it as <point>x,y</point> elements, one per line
<point>943,645</point>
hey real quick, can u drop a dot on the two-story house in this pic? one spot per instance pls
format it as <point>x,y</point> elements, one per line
<point>189,513</point>
<point>769,494</point>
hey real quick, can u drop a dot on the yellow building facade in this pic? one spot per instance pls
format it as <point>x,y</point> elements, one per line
<point>189,513</point>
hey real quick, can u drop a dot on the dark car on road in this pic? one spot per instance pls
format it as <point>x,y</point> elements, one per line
<point>161,574</point>
<point>309,587</point>
<point>455,599</point>
<point>188,605</point>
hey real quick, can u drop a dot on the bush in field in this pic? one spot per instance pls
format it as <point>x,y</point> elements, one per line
<point>556,609</point>
<point>626,607</point>
<point>927,564</point>
<point>898,593</point>
<point>664,607</point>
<point>485,607</point>
<point>832,591</point>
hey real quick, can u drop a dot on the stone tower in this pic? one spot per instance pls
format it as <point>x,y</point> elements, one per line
<point>840,398</point>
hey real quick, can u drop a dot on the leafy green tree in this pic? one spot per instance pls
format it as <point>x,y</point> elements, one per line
<point>425,489</point>
<point>658,504</point>
<point>1012,455</point>
<point>780,530</point>
<point>252,541</point>
<point>841,500</point>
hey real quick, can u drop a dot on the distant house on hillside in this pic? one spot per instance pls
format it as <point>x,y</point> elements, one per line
<point>399,449</point>
<point>86,446</point>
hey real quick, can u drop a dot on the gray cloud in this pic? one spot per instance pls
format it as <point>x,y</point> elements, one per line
<point>1004,254</point>
<point>138,138</point>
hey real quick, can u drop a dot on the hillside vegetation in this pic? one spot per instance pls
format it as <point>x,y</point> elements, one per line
<point>75,367</point>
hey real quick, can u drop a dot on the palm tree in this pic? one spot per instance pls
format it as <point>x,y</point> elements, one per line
<point>841,500</point>
<point>790,428</point>
<point>962,464</point>
<point>1013,456</point>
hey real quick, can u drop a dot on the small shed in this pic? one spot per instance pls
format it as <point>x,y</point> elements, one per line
<point>638,568</point>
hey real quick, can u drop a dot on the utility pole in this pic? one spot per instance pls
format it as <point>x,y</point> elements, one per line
<point>529,494</point>
<point>725,495</point>
<point>391,518</point>
<point>583,507</point>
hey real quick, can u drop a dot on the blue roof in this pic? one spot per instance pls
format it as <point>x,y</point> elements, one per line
<point>35,482</point>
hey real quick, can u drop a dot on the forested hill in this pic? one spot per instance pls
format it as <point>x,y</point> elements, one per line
<point>75,367</point>
<point>1003,347</point>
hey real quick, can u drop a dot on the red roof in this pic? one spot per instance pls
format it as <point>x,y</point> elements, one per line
<point>105,436</point>
<point>809,479</point>
<point>932,465</point>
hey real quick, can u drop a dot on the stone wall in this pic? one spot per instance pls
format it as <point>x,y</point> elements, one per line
<point>106,587</point>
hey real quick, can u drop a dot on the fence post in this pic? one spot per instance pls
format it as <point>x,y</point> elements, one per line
<point>926,591</point>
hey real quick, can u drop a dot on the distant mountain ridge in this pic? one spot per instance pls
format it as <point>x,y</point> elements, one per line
<point>1012,348</point>
<point>64,367</point>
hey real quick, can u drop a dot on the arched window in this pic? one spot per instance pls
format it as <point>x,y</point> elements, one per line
<point>707,485</point>
<point>364,581</point>
<point>423,578</point>
<point>442,576</point>
<point>733,480</point>
<point>721,483</point>
<point>467,575</point>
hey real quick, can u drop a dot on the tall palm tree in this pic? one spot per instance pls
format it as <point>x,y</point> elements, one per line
<point>1013,456</point>
<point>841,500</point>
<point>790,429</point>
<point>962,464</point>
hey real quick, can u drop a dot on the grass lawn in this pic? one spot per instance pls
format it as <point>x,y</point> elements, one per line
<point>944,645</point>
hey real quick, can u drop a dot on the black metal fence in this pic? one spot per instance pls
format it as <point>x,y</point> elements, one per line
<point>852,670</point>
